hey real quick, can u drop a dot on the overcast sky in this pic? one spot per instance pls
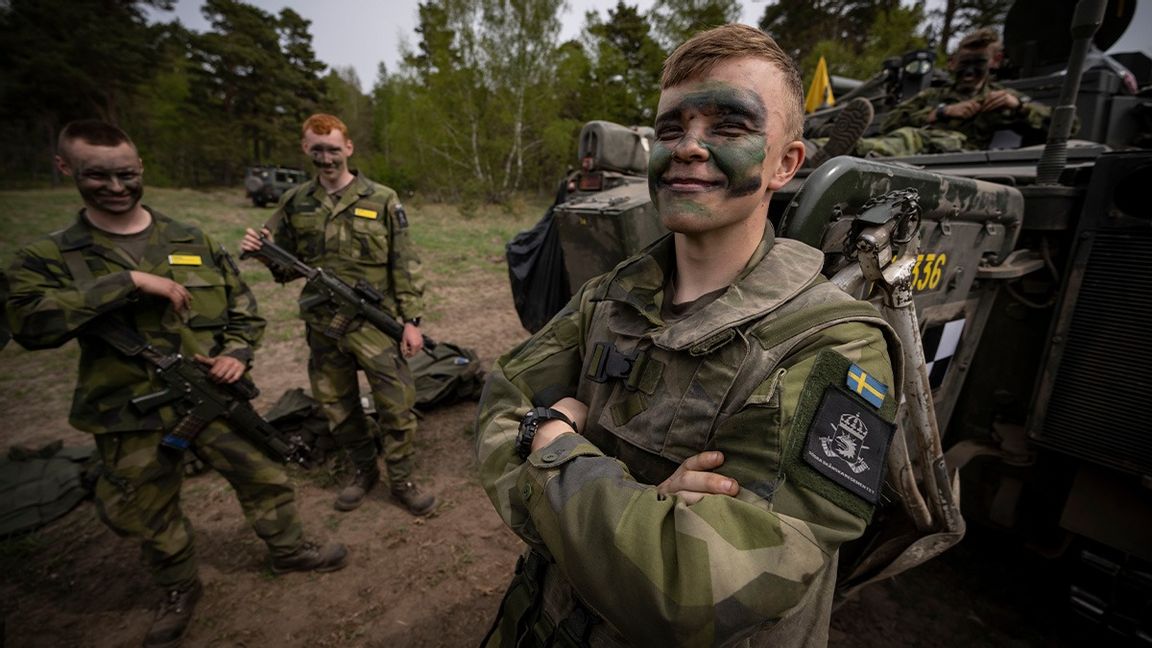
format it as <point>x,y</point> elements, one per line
<point>362,33</point>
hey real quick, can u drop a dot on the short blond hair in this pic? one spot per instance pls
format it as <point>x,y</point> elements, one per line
<point>699,54</point>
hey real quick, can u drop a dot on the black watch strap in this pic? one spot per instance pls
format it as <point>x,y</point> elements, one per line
<point>532,422</point>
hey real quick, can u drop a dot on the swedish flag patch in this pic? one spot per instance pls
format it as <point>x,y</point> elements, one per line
<point>866,386</point>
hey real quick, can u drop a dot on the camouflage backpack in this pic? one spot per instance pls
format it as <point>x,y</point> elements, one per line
<point>446,374</point>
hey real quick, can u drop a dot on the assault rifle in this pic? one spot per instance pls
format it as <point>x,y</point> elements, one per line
<point>351,301</point>
<point>199,399</point>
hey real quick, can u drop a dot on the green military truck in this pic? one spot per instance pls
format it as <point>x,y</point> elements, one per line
<point>1021,281</point>
<point>265,184</point>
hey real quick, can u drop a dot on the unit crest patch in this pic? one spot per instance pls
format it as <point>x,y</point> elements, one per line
<point>839,438</point>
<point>847,443</point>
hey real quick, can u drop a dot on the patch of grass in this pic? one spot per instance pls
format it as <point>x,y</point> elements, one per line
<point>452,243</point>
<point>333,472</point>
<point>27,215</point>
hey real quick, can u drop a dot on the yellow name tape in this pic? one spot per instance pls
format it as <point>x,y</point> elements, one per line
<point>185,259</point>
<point>365,213</point>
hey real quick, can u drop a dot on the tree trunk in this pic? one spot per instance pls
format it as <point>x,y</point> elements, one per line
<point>515,153</point>
<point>946,27</point>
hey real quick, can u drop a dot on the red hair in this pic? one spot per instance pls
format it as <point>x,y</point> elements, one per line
<point>322,124</point>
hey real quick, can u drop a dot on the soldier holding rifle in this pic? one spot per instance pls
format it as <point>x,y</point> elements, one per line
<point>125,266</point>
<point>357,231</point>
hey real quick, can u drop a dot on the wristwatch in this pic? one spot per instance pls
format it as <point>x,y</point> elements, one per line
<point>940,116</point>
<point>532,422</point>
<point>415,321</point>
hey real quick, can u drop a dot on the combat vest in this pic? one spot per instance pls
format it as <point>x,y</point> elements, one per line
<point>352,239</point>
<point>701,369</point>
<point>107,380</point>
<point>706,367</point>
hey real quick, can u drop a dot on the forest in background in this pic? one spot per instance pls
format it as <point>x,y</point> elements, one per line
<point>488,102</point>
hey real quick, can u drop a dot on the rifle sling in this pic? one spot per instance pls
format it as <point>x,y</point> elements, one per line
<point>126,340</point>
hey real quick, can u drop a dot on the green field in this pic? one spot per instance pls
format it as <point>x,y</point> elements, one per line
<point>455,247</point>
<point>452,244</point>
<point>450,241</point>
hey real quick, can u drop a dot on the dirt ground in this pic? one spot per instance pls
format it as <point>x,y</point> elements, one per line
<point>419,582</point>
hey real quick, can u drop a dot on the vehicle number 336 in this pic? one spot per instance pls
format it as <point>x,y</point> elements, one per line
<point>928,271</point>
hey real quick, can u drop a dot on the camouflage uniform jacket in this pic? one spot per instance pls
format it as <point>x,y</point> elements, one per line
<point>362,235</point>
<point>65,280</point>
<point>1030,120</point>
<point>735,376</point>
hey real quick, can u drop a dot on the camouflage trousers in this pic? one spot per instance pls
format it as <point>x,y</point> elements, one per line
<point>138,495</point>
<point>912,141</point>
<point>332,368</point>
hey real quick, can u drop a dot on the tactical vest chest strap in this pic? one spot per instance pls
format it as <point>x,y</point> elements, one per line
<point>608,363</point>
<point>77,266</point>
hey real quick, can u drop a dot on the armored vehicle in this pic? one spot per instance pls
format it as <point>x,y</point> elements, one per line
<point>1021,283</point>
<point>265,184</point>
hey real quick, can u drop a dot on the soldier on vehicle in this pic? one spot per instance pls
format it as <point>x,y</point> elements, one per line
<point>685,446</point>
<point>183,294</point>
<point>967,115</point>
<point>357,230</point>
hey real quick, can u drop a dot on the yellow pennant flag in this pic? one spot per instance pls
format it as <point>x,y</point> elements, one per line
<point>820,92</point>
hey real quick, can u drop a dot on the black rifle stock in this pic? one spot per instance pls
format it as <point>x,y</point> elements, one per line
<point>361,299</point>
<point>199,399</point>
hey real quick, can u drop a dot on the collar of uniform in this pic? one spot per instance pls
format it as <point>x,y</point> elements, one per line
<point>82,234</point>
<point>359,185</point>
<point>78,235</point>
<point>639,281</point>
<point>778,270</point>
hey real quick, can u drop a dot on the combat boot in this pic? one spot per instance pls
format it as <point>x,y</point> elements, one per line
<point>174,616</point>
<point>848,128</point>
<point>353,495</point>
<point>310,556</point>
<point>416,502</point>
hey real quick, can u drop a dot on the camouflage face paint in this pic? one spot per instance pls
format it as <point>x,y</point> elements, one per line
<point>109,180</point>
<point>732,133</point>
<point>971,71</point>
<point>329,153</point>
<point>326,157</point>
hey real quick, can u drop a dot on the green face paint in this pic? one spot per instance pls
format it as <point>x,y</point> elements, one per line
<point>731,130</point>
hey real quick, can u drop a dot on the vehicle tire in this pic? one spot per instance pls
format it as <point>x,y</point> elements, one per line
<point>259,201</point>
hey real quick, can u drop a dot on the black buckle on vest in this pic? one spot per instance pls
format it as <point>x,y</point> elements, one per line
<point>609,362</point>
